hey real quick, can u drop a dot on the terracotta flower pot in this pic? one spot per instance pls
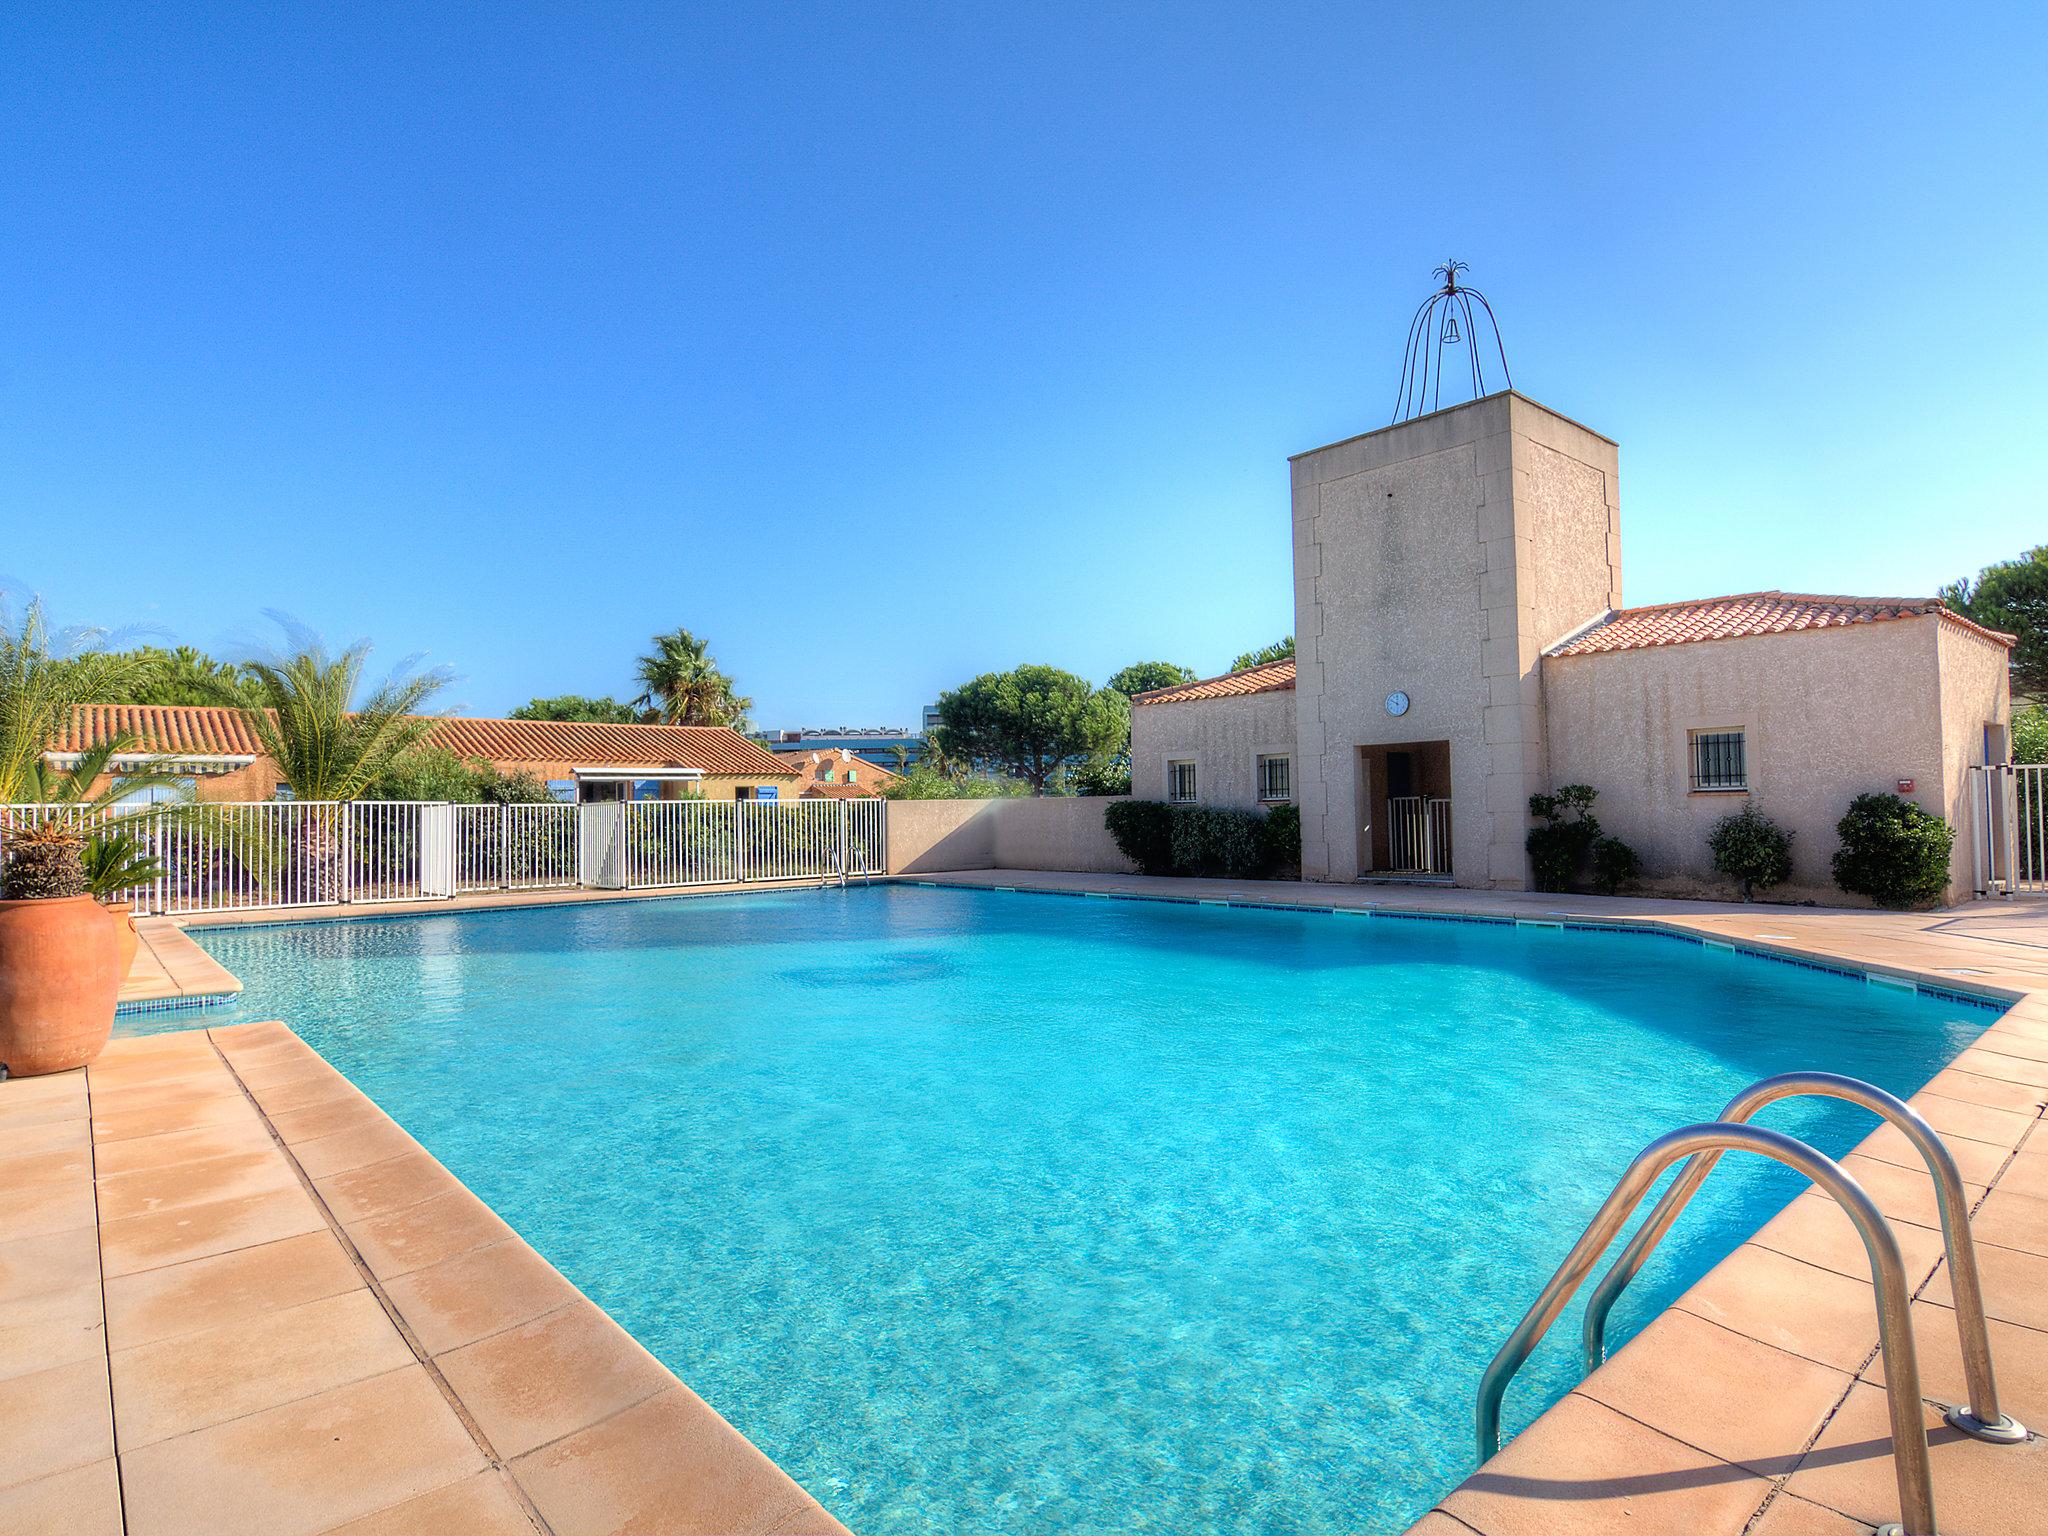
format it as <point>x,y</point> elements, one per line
<point>123,914</point>
<point>59,980</point>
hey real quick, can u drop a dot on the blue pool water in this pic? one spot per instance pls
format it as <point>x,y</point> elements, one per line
<point>1012,1213</point>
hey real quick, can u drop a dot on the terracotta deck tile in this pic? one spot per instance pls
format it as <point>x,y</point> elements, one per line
<point>1789,1305</point>
<point>1902,1193</point>
<point>2006,1040</point>
<point>54,1420</point>
<point>1977,1161</point>
<point>484,1505</point>
<point>482,1292</point>
<point>427,1233</point>
<point>1817,1230</point>
<point>2019,1363</point>
<point>41,1139</point>
<point>1986,1062</point>
<point>667,1464</point>
<point>326,1155</point>
<point>1979,1489</point>
<point>2015,1285</point>
<point>85,1501</point>
<point>121,1125</point>
<point>1958,1082</point>
<point>327,1119</point>
<point>180,1384</point>
<point>375,1189</point>
<point>2013,1221</point>
<point>1680,1375</point>
<point>2027,1174</point>
<point>1788,1516</point>
<point>35,1266</point>
<point>145,1190</point>
<point>551,1377</point>
<point>158,1152</point>
<point>26,1101</point>
<point>302,1468</point>
<point>1585,1470</point>
<point>196,1231</point>
<point>226,1289</point>
<point>28,1168</point>
<point>38,1333</point>
<point>36,1210</point>
<point>208,1086</point>
<point>812,1519</point>
<point>308,1090</point>
<point>1953,1117</point>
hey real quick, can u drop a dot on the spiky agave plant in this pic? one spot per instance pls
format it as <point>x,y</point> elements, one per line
<point>117,861</point>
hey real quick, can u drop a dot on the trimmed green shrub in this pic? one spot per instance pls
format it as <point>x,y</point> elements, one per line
<point>1893,852</point>
<point>1280,835</point>
<point>1615,864</point>
<point>1143,830</point>
<point>1752,849</point>
<point>1216,842</point>
<point>1560,847</point>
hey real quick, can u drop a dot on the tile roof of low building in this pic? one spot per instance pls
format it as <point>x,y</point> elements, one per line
<point>1746,614</point>
<point>1272,677</point>
<point>209,731</point>
<point>811,765</point>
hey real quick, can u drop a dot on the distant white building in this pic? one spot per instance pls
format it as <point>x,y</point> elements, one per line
<point>1462,644</point>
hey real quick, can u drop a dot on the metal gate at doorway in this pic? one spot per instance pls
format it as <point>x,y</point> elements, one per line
<point>2009,829</point>
<point>1405,830</point>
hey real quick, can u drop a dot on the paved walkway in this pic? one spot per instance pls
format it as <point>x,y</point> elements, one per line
<point>236,1300</point>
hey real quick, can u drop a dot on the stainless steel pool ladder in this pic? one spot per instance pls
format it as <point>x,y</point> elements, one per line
<point>1704,1144</point>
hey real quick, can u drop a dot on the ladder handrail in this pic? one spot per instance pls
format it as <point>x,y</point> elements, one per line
<point>1983,1420</point>
<point>1887,1273</point>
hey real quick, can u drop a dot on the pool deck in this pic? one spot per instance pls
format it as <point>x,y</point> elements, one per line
<point>234,1296</point>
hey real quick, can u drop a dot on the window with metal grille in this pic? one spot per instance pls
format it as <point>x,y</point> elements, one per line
<point>1276,778</point>
<point>1180,781</point>
<point>1718,761</point>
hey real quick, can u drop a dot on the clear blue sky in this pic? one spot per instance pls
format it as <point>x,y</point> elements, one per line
<point>886,345</point>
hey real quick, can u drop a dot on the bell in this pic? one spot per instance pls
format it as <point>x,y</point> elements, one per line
<point>1450,328</point>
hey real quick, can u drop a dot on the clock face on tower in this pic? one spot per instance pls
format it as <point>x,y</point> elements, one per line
<point>1397,703</point>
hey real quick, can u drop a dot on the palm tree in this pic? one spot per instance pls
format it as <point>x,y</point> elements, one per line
<point>44,676</point>
<point>329,737</point>
<point>682,682</point>
<point>311,716</point>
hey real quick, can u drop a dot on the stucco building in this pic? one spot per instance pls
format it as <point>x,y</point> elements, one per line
<point>1462,644</point>
<point>218,750</point>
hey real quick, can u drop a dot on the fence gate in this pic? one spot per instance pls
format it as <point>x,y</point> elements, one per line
<point>1418,835</point>
<point>602,836</point>
<point>2009,829</point>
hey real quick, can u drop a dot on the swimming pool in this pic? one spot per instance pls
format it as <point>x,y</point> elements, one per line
<point>1014,1213</point>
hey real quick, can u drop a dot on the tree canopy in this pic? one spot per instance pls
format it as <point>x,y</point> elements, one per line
<point>1031,720</point>
<point>680,680</point>
<point>578,709</point>
<point>1279,650</point>
<point>180,675</point>
<point>2012,596</point>
<point>1144,676</point>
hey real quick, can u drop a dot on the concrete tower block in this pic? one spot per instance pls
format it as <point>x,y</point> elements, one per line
<point>1438,559</point>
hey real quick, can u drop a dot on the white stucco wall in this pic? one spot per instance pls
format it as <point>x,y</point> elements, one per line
<point>1439,558</point>
<point>1225,737</point>
<point>1826,715</point>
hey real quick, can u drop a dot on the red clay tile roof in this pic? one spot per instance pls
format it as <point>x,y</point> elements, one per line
<point>810,776</point>
<point>1749,613</point>
<point>1273,677</point>
<point>226,732</point>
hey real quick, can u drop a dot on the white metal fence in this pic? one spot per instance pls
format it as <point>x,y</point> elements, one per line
<point>2009,829</point>
<point>222,856</point>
